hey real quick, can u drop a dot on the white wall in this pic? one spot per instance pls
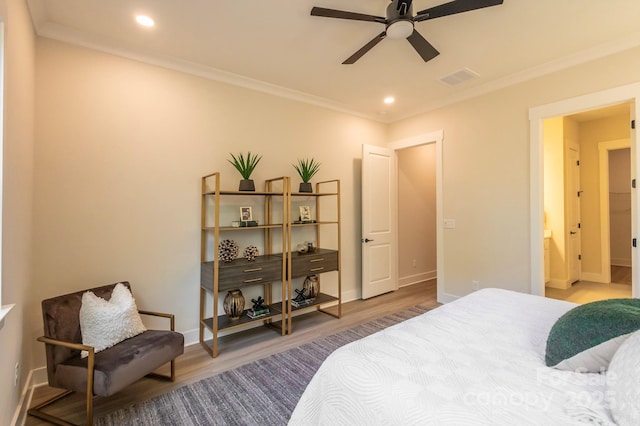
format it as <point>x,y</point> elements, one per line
<point>120,149</point>
<point>486,155</point>
<point>18,144</point>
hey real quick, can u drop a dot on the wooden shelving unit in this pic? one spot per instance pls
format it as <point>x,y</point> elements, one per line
<point>322,260</point>
<point>270,270</point>
<point>267,270</point>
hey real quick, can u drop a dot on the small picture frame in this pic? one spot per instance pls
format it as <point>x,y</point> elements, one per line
<point>305,214</point>
<point>245,214</point>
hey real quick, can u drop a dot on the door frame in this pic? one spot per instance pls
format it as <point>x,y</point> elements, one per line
<point>436,137</point>
<point>624,94</point>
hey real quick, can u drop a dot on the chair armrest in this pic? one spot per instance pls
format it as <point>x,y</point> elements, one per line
<point>70,345</point>
<point>78,346</point>
<point>171,317</point>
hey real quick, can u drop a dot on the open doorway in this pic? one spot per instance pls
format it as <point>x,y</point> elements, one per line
<point>433,142</point>
<point>587,191</point>
<point>417,249</point>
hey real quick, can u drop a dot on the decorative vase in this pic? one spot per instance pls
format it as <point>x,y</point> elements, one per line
<point>311,287</point>
<point>234,304</point>
<point>251,252</point>
<point>305,187</point>
<point>247,185</point>
<point>228,250</point>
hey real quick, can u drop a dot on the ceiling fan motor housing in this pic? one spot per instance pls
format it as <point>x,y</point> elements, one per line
<point>399,19</point>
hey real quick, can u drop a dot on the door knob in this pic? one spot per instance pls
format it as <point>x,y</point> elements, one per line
<point>366,240</point>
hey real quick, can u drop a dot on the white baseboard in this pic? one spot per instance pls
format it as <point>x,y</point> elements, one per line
<point>559,284</point>
<point>592,276</point>
<point>417,278</point>
<point>621,262</point>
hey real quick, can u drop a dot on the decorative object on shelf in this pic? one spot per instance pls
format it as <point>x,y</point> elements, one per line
<point>245,166</point>
<point>311,287</point>
<point>258,310</point>
<point>246,215</point>
<point>258,304</point>
<point>301,300</point>
<point>311,246</point>
<point>251,252</point>
<point>228,250</point>
<point>234,304</point>
<point>306,168</point>
<point>305,214</point>
<point>302,248</point>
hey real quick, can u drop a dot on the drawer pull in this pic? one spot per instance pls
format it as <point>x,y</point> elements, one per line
<point>320,259</point>
<point>254,280</point>
<point>316,269</point>
<point>252,270</point>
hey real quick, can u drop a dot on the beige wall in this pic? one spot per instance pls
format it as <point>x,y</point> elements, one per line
<point>486,154</point>
<point>121,147</point>
<point>18,143</point>
<point>416,214</point>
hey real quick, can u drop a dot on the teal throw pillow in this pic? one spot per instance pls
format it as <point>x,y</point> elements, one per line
<point>586,338</point>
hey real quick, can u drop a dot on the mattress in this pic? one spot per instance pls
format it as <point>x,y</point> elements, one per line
<point>476,361</point>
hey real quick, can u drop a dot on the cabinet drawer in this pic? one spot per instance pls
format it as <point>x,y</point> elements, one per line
<point>320,261</point>
<point>241,273</point>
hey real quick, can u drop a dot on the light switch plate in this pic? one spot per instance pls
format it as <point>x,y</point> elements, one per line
<point>449,223</point>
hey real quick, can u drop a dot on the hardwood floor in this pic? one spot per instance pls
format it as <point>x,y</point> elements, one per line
<point>237,350</point>
<point>586,291</point>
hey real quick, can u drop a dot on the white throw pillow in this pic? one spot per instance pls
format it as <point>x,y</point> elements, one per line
<point>104,323</point>
<point>623,383</point>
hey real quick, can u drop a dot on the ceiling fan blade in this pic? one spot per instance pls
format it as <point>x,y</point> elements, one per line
<point>453,7</point>
<point>341,14</point>
<point>367,47</point>
<point>422,46</point>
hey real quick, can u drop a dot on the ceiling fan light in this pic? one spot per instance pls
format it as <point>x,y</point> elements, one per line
<point>400,29</point>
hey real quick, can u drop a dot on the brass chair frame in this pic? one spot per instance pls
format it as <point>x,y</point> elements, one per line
<point>38,412</point>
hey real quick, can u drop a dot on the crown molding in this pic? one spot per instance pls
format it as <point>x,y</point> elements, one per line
<point>74,37</point>
<point>584,56</point>
<point>67,35</point>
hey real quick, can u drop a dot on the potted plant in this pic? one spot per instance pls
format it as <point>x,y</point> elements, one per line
<point>306,168</point>
<point>245,166</point>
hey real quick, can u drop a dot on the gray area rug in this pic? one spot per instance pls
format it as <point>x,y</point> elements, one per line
<point>263,392</point>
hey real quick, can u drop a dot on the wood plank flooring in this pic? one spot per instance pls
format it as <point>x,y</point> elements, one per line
<point>237,350</point>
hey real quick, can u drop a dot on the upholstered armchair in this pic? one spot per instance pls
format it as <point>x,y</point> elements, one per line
<point>99,373</point>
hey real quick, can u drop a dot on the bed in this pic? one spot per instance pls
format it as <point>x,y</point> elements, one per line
<point>477,361</point>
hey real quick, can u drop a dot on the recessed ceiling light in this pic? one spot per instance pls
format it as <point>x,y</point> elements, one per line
<point>389,100</point>
<point>145,21</point>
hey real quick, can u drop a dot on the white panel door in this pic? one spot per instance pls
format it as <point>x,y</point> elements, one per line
<point>378,221</point>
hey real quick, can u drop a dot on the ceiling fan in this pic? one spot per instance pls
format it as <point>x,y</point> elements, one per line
<point>400,22</point>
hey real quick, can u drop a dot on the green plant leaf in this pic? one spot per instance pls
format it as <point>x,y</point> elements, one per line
<point>307,168</point>
<point>245,166</point>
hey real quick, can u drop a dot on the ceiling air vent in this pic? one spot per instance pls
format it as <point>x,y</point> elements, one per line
<point>458,77</point>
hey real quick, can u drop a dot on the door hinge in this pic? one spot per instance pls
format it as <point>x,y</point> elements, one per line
<point>577,162</point>
<point>633,183</point>
<point>579,257</point>
<point>579,225</point>
<point>634,243</point>
<point>633,124</point>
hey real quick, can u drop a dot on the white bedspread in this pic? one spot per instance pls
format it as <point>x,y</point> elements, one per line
<point>476,361</point>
